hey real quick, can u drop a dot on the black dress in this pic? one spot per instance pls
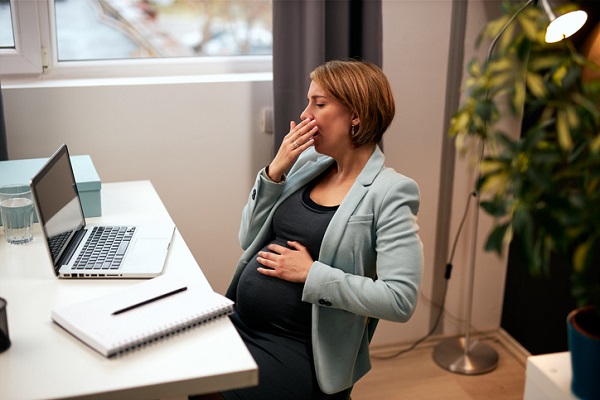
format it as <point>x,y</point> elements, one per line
<point>272,319</point>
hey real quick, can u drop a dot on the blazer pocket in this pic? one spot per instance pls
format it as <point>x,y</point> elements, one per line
<point>360,218</point>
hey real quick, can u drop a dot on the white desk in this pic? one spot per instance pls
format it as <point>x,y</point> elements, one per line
<point>548,377</point>
<point>46,362</point>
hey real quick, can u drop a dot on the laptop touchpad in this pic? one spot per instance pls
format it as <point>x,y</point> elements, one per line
<point>144,252</point>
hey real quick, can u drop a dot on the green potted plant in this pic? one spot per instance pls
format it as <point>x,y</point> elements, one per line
<point>542,187</point>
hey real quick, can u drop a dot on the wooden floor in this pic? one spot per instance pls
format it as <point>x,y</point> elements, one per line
<point>415,376</point>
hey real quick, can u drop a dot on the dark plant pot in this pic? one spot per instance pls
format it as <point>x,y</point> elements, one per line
<point>584,343</point>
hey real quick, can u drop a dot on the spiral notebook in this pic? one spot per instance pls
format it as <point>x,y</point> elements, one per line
<point>137,315</point>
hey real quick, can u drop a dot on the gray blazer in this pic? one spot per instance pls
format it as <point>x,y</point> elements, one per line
<point>369,266</point>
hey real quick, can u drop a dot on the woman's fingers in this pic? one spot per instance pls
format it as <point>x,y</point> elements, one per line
<point>300,130</point>
<point>298,139</point>
<point>301,136</point>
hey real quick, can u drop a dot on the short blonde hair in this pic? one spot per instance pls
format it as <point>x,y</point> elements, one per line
<point>364,90</point>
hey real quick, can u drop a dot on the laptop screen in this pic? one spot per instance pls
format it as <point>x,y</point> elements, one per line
<point>58,206</point>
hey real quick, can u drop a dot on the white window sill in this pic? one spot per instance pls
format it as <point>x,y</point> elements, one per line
<point>24,83</point>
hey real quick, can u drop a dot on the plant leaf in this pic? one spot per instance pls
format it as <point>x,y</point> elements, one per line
<point>535,83</point>
<point>495,241</point>
<point>562,130</point>
<point>559,74</point>
<point>496,208</point>
<point>495,184</point>
<point>544,62</point>
<point>529,27</point>
<point>489,166</point>
<point>595,144</point>
<point>580,255</point>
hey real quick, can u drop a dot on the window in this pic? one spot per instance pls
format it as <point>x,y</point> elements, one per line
<point>7,37</point>
<point>136,37</point>
<point>19,48</point>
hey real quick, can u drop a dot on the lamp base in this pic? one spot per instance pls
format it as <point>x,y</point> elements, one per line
<point>452,355</point>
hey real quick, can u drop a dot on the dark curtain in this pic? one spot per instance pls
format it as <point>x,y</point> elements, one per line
<point>3,144</point>
<point>307,33</point>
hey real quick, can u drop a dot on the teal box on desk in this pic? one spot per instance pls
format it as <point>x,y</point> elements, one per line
<point>86,178</point>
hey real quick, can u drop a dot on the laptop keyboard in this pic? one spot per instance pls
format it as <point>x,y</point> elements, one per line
<point>104,248</point>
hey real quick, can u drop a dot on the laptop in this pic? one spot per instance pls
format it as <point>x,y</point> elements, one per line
<point>80,250</point>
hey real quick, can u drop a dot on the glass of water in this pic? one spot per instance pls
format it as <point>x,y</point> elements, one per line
<point>16,213</point>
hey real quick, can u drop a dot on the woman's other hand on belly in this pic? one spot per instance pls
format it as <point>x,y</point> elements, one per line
<point>291,264</point>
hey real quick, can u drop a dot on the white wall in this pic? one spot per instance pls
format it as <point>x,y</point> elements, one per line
<point>201,146</point>
<point>415,60</point>
<point>199,143</point>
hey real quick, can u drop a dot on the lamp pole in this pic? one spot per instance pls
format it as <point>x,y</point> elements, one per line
<point>461,354</point>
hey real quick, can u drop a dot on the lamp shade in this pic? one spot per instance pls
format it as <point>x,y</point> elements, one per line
<point>565,25</point>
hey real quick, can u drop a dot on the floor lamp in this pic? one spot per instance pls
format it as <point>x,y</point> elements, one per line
<point>462,354</point>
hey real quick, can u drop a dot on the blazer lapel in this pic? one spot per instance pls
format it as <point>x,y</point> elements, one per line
<point>339,222</point>
<point>305,174</point>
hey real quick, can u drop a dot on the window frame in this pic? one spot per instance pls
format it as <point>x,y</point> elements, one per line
<point>26,57</point>
<point>42,55</point>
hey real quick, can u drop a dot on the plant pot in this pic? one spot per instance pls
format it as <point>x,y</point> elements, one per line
<point>584,343</point>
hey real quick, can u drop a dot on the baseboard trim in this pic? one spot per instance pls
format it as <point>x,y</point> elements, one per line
<point>514,347</point>
<point>500,336</point>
